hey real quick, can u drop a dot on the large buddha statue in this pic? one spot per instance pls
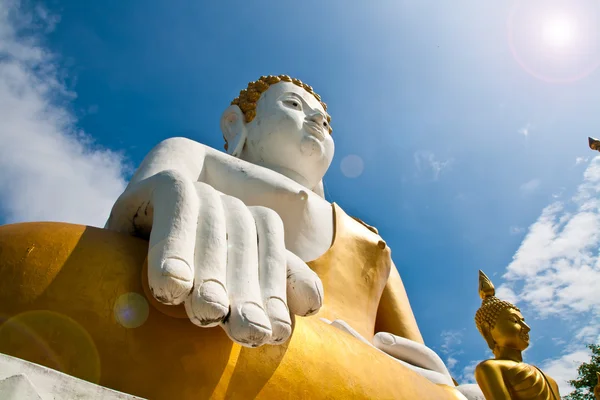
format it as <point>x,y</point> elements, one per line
<point>223,275</point>
<point>507,377</point>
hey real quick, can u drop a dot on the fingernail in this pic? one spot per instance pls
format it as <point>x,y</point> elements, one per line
<point>213,292</point>
<point>386,338</point>
<point>280,320</point>
<point>178,269</point>
<point>254,314</point>
<point>278,311</point>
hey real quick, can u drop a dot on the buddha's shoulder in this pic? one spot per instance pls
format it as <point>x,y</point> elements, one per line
<point>496,365</point>
<point>363,223</point>
<point>509,369</point>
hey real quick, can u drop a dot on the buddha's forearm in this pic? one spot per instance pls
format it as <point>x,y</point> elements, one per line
<point>395,314</point>
<point>182,155</point>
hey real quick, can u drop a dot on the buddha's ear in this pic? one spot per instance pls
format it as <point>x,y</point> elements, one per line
<point>487,335</point>
<point>319,189</point>
<point>234,131</point>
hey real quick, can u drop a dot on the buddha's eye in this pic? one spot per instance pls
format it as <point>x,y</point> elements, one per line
<point>293,103</point>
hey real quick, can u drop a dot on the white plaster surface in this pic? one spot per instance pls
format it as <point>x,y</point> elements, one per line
<point>471,391</point>
<point>230,234</point>
<point>22,380</point>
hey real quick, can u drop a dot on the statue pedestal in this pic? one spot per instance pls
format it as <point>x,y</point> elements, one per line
<point>22,380</point>
<point>72,299</point>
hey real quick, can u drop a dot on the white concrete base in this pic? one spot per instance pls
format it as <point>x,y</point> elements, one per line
<point>22,380</point>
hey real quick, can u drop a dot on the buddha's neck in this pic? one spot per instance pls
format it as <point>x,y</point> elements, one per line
<point>505,353</point>
<point>293,175</point>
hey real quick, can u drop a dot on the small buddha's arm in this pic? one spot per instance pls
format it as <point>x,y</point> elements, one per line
<point>489,378</point>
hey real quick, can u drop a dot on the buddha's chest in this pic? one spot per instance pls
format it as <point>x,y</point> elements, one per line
<point>307,218</point>
<point>526,382</point>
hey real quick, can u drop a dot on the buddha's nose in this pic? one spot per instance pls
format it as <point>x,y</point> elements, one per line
<point>318,118</point>
<point>526,327</point>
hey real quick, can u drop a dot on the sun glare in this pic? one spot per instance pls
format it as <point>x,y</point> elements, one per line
<point>558,31</point>
<point>556,40</point>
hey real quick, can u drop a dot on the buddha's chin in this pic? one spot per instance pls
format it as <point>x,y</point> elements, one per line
<point>312,147</point>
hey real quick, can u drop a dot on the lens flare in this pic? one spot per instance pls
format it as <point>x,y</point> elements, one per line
<point>558,31</point>
<point>556,41</point>
<point>352,166</point>
<point>53,340</point>
<point>131,310</point>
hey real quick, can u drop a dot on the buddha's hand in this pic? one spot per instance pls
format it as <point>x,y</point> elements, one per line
<point>413,355</point>
<point>225,261</point>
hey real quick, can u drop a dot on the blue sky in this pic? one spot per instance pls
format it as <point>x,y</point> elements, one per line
<point>460,131</point>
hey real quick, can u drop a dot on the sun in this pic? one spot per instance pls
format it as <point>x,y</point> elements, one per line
<point>558,31</point>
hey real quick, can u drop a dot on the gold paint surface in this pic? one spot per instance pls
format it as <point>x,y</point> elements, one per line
<point>503,327</point>
<point>354,272</point>
<point>79,273</point>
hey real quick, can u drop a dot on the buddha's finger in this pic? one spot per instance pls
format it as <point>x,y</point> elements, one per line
<point>273,271</point>
<point>174,204</point>
<point>343,326</point>
<point>247,323</point>
<point>208,303</point>
<point>304,287</point>
<point>409,351</point>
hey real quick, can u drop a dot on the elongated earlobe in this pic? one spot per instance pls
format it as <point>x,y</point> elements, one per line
<point>234,130</point>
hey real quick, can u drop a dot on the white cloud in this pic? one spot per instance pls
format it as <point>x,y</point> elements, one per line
<point>564,368</point>
<point>450,339</point>
<point>516,230</point>
<point>468,373</point>
<point>558,261</point>
<point>451,362</point>
<point>526,130</point>
<point>49,170</point>
<point>530,186</point>
<point>426,162</point>
<point>555,274</point>
<point>581,160</point>
<point>450,348</point>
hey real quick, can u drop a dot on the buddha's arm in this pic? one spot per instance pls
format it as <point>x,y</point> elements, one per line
<point>182,155</point>
<point>394,314</point>
<point>489,378</point>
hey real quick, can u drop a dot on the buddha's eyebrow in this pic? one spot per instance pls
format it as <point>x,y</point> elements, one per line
<point>294,95</point>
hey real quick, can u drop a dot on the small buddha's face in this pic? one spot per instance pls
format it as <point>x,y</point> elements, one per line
<point>290,131</point>
<point>510,330</point>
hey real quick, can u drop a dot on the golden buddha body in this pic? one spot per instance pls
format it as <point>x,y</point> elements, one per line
<point>507,377</point>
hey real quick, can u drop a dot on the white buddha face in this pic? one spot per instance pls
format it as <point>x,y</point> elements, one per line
<point>290,134</point>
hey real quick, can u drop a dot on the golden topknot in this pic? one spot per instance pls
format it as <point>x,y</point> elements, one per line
<point>491,306</point>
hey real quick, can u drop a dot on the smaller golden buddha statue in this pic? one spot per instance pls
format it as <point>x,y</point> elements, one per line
<point>507,377</point>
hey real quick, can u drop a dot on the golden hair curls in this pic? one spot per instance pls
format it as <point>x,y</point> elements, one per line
<point>248,97</point>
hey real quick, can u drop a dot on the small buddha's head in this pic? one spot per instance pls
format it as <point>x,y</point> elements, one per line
<point>500,323</point>
<point>282,124</point>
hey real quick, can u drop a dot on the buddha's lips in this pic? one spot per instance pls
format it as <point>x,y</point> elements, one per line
<point>525,336</point>
<point>315,129</point>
